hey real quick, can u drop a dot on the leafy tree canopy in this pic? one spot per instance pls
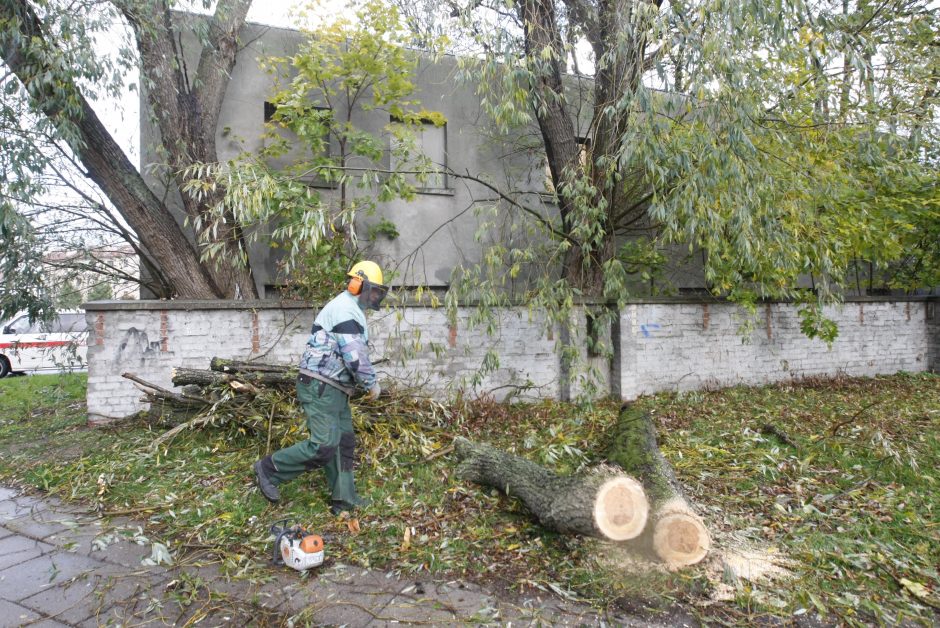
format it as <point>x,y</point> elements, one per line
<point>783,141</point>
<point>55,67</point>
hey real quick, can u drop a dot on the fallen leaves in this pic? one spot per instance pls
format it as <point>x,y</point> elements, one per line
<point>920,591</point>
<point>159,555</point>
<point>851,508</point>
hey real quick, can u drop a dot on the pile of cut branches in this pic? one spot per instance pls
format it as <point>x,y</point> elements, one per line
<point>258,399</point>
<point>253,397</point>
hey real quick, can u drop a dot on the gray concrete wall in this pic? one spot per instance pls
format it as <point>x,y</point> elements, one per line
<point>657,345</point>
<point>436,229</point>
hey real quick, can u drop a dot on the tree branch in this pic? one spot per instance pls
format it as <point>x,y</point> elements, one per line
<point>104,160</point>
<point>216,63</point>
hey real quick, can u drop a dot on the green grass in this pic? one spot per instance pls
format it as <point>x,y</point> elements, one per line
<point>839,476</point>
<point>33,410</point>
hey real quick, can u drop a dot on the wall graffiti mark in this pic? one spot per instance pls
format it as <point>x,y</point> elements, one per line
<point>135,347</point>
<point>646,328</point>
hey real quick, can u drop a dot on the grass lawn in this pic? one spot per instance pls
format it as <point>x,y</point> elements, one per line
<point>833,483</point>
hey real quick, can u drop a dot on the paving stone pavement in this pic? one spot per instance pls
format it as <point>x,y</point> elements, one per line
<point>61,565</point>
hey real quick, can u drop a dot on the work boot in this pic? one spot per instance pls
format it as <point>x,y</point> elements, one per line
<point>337,506</point>
<point>265,485</point>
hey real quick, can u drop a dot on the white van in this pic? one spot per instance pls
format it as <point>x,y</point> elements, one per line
<point>56,345</point>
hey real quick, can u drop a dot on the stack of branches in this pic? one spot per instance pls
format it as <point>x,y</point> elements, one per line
<point>259,399</point>
<point>256,398</point>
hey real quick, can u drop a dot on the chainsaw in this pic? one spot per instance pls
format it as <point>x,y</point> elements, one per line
<point>296,547</point>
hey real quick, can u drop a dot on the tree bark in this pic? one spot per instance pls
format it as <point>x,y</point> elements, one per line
<point>679,536</point>
<point>166,406</point>
<point>199,377</point>
<point>550,107</point>
<point>109,167</point>
<point>611,507</point>
<point>187,112</point>
<point>224,365</point>
<point>618,32</point>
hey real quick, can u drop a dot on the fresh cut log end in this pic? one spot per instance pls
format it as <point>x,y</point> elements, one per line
<point>621,508</point>
<point>590,504</point>
<point>679,536</point>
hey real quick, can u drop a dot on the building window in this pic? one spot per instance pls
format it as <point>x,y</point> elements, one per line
<point>298,154</point>
<point>269,110</point>
<point>431,143</point>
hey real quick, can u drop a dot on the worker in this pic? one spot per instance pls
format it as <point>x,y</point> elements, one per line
<point>335,366</point>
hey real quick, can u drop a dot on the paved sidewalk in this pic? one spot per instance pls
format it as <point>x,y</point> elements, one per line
<point>61,565</point>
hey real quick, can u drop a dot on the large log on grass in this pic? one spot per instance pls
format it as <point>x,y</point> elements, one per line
<point>612,507</point>
<point>679,536</point>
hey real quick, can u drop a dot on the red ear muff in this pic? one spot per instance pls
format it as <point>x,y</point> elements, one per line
<point>355,286</point>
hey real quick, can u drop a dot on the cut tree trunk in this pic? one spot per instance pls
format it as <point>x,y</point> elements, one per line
<point>612,507</point>
<point>237,366</point>
<point>679,536</point>
<point>200,377</point>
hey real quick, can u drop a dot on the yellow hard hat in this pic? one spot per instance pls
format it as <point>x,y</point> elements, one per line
<point>367,270</point>
<point>366,282</point>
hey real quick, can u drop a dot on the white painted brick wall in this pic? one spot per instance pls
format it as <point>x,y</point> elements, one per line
<point>151,343</point>
<point>422,348</point>
<point>663,346</point>
<point>418,344</point>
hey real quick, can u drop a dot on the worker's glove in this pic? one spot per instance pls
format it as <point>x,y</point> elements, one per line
<point>374,392</point>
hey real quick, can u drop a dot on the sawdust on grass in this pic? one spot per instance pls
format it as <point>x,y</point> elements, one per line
<point>730,562</point>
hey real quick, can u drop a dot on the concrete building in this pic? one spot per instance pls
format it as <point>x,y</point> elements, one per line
<point>440,227</point>
<point>435,229</point>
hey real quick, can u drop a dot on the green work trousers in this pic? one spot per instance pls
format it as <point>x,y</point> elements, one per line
<point>332,443</point>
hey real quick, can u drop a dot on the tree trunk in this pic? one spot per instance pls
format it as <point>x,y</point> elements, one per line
<point>619,39</point>
<point>555,121</point>
<point>586,271</point>
<point>187,112</point>
<point>679,535</point>
<point>199,377</point>
<point>224,365</point>
<point>611,507</point>
<point>153,223</point>
<point>109,167</point>
<point>550,108</point>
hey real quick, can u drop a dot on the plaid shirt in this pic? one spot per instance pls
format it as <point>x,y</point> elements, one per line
<point>337,348</point>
